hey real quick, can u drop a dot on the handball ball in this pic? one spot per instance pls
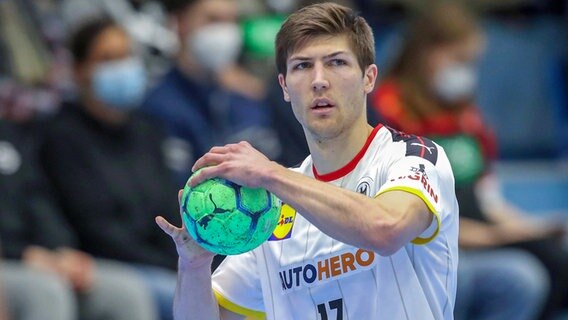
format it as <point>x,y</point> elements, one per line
<point>226,218</point>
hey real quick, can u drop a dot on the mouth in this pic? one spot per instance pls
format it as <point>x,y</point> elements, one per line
<point>322,103</point>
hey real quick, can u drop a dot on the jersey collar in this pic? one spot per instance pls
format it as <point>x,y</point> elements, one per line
<point>346,169</point>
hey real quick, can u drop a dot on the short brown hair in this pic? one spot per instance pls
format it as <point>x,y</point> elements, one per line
<point>443,22</point>
<point>320,20</point>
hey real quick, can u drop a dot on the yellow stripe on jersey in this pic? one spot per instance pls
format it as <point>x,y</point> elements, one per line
<point>419,240</point>
<point>229,305</point>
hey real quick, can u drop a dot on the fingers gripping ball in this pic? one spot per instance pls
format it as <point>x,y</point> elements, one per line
<point>226,218</point>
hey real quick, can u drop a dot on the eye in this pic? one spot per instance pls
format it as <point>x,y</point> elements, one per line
<point>337,62</point>
<point>301,66</point>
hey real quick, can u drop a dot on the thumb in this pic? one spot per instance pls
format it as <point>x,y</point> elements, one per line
<point>167,227</point>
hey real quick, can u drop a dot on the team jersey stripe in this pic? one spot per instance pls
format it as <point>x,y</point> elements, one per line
<point>229,305</point>
<point>343,171</point>
<point>418,240</point>
<point>416,145</point>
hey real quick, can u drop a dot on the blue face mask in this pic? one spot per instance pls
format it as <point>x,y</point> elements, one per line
<point>120,84</point>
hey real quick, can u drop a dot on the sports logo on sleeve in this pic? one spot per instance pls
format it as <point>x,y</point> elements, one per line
<point>420,169</point>
<point>419,174</point>
<point>416,145</point>
<point>285,223</point>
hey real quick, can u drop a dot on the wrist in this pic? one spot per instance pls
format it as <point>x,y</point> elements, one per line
<point>197,263</point>
<point>272,175</point>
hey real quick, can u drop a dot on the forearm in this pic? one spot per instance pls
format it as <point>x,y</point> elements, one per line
<point>342,214</point>
<point>383,224</point>
<point>493,203</point>
<point>194,298</point>
<point>476,235</point>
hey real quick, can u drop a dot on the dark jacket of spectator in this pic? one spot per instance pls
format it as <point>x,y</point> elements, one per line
<point>28,215</point>
<point>112,181</point>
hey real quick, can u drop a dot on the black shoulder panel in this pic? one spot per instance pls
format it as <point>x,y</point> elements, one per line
<point>416,145</point>
<point>296,166</point>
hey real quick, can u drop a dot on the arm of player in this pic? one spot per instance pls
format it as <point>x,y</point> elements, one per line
<point>194,298</point>
<point>383,224</point>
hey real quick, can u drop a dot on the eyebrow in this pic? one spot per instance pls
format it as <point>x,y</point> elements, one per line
<point>328,56</point>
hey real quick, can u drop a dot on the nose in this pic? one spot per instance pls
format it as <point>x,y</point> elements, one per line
<point>319,81</point>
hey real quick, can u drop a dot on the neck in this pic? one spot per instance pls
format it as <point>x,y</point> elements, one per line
<point>331,154</point>
<point>98,111</point>
<point>190,68</point>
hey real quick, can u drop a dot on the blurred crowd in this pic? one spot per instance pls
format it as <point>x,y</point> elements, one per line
<point>106,104</point>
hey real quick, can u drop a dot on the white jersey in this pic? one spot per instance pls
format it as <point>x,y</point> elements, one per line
<point>301,273</point>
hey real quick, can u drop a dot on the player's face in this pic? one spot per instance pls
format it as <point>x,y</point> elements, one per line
<point>326,87</point>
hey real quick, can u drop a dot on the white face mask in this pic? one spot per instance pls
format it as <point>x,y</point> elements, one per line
<point>120,84</point>
<point>455,82</point>
<point>282,6</point>
<point>217,45</point>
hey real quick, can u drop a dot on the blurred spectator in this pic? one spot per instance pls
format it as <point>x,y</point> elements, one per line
<point>33,55</point>
<point>106,163</point>
<point>531,6</point>
<point>206,98</point>
<point>499,284</point>
<point>42,275</point>
<point>143,20</point>
<point>290,132</point>
<point>429,91</point>
<point>3,309</point>
<point>523,71</point>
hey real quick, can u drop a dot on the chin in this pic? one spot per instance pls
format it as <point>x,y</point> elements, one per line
<point>324,130</point>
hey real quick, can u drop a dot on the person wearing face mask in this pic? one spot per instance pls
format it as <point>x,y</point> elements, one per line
<point>105,160</point>
<point>43,273</point>
<point>505,256</point>
<point>206,98</point>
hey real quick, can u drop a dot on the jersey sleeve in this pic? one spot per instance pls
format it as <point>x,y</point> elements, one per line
<point>420,177</point>
<point>236,285</point>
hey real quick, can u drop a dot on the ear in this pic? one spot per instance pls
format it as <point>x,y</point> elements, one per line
<point>282,81</point>
<point>370,77</point>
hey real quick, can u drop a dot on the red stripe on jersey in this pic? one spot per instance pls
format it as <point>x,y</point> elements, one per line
<point>423,146</point>
<point>343,171</point>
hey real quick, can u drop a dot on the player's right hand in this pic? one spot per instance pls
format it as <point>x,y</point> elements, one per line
<point>191,254</point>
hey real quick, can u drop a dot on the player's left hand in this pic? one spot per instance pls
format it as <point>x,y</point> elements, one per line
<point>240,163</point>
<point>191,254</point>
